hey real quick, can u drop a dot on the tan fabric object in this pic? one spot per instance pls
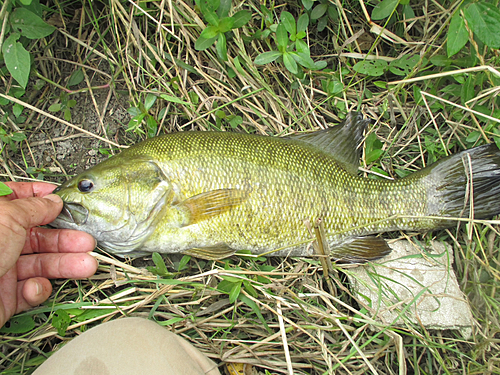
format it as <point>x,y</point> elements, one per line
<point>128,346</point>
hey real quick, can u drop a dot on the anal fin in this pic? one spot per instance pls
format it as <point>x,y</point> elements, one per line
<point>360,250</point>
<point>215,252</point>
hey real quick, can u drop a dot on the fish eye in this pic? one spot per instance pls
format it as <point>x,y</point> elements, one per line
<point>85,186</point>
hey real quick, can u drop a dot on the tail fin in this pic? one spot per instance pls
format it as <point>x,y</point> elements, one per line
<point>469,179</point>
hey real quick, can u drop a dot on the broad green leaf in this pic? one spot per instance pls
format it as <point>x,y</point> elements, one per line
<point>211,18</point>
<point>173,99</point>
<point>152,126</point>
<point>225,24</point>
<point>160,267</point>
<point>290,63</point>
<point>484,20</point>
<point>241,18</point>
<point>384,9</point>
<point>302,47</point>
<point>403,65</point>
<point>183,262</point>
<point>457,35</point>
<point>210,32</point>
<point>60,321</point>
<point>202,44</point>
<point>76,78</point>
<point>373,68</point>
<point>235,292</point>
<point>221,47</point>
<point>18,136</point>
<point>18,324</point>
<point>4,189</point>
<point>318,11</point>
<point>67,114</point>
<point>288,22</point>
<point>236,121</point>
<point>149,101</point>
<point>304,60</point>
<point>17,109</point>
<point>302,23</point>
<point>322,22</point>
<point>17,59</point>
<point>319,65</point>
<point>307,4</point>
<point>223,9</point>
<point>29,24</point>
<point>467,90</point>
<point>281,37</point>
<point>208,5</point>
<point>267,57</point>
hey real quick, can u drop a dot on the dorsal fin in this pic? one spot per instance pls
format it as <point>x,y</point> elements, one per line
<point>341,141</point>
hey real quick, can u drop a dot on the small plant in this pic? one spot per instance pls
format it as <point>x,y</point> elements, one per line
<point>22,25</point>
<point>65,104</point>
<point>216,13</point>
<point>140,113</point>
<point>292,50</point>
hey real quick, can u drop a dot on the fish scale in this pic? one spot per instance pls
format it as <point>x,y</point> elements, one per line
<point>210,194</point>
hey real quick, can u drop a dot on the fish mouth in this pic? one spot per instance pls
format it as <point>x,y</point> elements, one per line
<point>74,213</point>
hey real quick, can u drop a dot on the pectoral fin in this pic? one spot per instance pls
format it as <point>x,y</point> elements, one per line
<point>216,252</point>
<point>360,250</point>
<point>212,203</point>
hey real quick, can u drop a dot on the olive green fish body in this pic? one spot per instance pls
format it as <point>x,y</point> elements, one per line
<point>213,193</point>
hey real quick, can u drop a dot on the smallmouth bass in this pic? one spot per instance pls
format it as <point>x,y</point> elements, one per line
<point>210,194</point>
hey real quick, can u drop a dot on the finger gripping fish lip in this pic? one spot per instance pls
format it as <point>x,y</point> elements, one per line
<point>74,213</point>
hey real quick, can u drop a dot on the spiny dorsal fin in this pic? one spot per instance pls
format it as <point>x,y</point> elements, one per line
<point>360,250</point>
<point>211,203</point>
<point>341,141</point>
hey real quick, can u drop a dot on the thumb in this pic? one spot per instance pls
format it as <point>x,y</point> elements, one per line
<point>19,215</point>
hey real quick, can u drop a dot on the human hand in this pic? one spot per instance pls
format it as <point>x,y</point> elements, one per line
<point>29,255</point>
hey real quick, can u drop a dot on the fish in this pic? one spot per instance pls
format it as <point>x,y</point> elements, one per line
<point>212,194</point>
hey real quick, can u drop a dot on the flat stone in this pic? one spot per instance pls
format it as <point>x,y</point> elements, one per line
<point>414,286</point>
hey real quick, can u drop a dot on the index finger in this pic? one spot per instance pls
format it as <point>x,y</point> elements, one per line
<point>29,189</point>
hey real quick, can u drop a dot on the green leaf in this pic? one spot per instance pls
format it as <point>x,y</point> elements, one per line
<point>4,189</point>
<point>281,37</point>
<point>210,32</point>
<point>384,9</point>
<point>223,9</point>
<point>288,22</point>
<point>18,324</point>
<point>212,18</point>
<point>60,321</point>
<point>160,267</point>
<point>236,121</point>
<point>149,101</point>
<point>235,292</point>
<point>76,78</point>
<point>29,24</point>
<point>202,44</point>
<point>484,20</point>
<point>225,24</point>
<point>241,18</point>
<point>318,11</point>
<point>183,262</point>
<point>307,4</point>
<point>56,107</point>
<point>290,63</point>
<point>221,47</point>
<point>267,57</point>
<point>404,65</point>
<point>173,99</point>
<point>467,90</point>
<point>373,68</point>
<point>457,35</point>
<point>18,137</point>
<point>302,24</point>
<point>255,309</point>
<point>304,60</point>
<point>67,114</point>
<point>17,59</point>
<point>17,109</point>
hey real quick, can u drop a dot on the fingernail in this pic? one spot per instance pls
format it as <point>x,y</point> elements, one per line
<point>39,289</point>
<point>54,198</point>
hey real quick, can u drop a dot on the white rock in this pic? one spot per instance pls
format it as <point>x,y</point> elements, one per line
<point>414,287</point>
